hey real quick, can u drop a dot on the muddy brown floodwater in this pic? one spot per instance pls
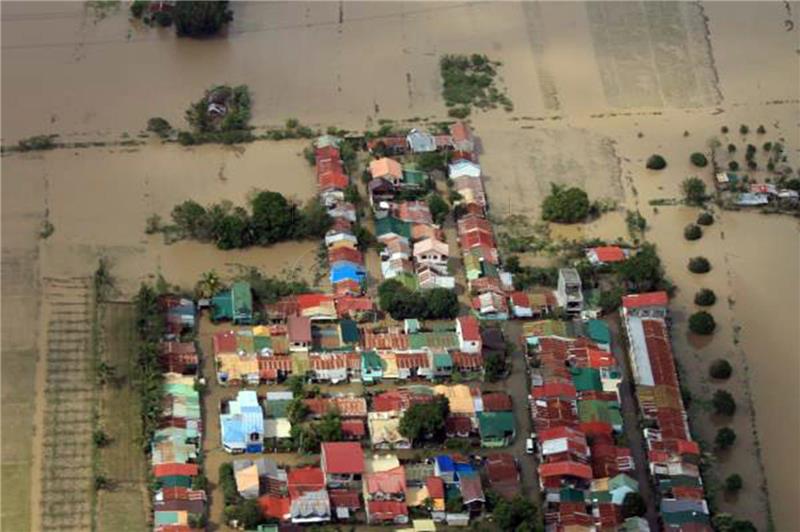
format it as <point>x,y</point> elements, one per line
<point>597,88</point>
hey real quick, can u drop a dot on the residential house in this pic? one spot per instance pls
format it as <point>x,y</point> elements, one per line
<point>380,191</point>
<point>299,328</point>
<point>311,507</point>
<point>502,473</point>
<point>647,305</point>
<point>413,178</point>
<point>316,307</point>
<point>242,424</point>
<point>347,271</point>
<point>469,334</point>
<point>496,428</point>
<point>387,145</point>
<point>342,463</point>
<point>491,305</point>
<point>358,308</point>
<point>420,141</point>
<point>387,169</point>
<point>461,137</point>
<point>432,253</point>
<point>178,357</point>
<point>471,190</point>
<point>416,212</point>
<point>385,496</point>
<point>429,277</point>
<point>179,314</point>
<point>463,168</point>
<point>235,304</point>
<point>390,227</point>
<point>606,255</point>
<point>569,292</point>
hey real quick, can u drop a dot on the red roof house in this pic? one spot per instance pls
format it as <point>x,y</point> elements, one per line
<point>170,470</point>
<point>649,299</point>
<point>342,458</point>
<point>274,507</point>
<point>568,468</point>
<point>496,402</point>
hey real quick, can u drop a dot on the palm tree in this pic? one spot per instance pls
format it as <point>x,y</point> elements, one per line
<point>208,285</point>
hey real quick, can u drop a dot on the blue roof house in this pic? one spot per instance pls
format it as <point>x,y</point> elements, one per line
<point>343,271</point>
<point>242,424</point>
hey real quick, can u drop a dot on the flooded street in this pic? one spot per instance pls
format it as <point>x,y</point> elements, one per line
<point>593,98</point>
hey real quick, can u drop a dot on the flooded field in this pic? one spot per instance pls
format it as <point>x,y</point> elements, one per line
<point>592,102</point>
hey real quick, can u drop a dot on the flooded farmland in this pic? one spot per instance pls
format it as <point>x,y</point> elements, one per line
<point>87,75</point>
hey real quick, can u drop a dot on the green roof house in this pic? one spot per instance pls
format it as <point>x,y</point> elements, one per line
<point>442,364</point>
<point>413,178</point>
<point>603,411</point>
<point>586,379</point>
<point>598,332</point>
<point>391,226</point>
<point>496,428</point>
<point>235,304</point>
<point>371,367</point>
<point>349,331</point>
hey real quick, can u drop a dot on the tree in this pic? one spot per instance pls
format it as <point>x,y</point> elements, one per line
<point>191,219</point>
<point>208,285</point>
<point>159,126</point>
<point>733,483</point>
<point>100,438</point>
<point>733,166</point>
<point>726,437</point>
<point>720,369</point>
<point>232,231</point>
<point>724,404</point>
<point>656,162</point>
<point>273,219</point>
<point>401,303</point>
<point>365,238</point>
<point>352,195</point>
<point>702,323</point>
<point>494,366</point>
<point>610,300</point>
<point>692,232</point>
<point>297,410</point>
<point>731,148</point>
<point>705,297</point>
<point>633,505</point>
<point>430,161</point>
<point>425,421</point>
<point>330,427</point>
<point>705,218</point>
<point>694,190</point>
<point>101,482</point>
<point>642,270</point>
<point>314,220</point>
<point>699,265</point>
<point>698,159</point>
<point>516,515</point>
<point>761,130</point>
<point>200,19</point>
<point>438,207</point>
<point>200,482</point>
<point>247,513</point>
<point>565,205</point>
<point>743,129</point>
<point>296,383</point>
<point>724,129</point>
<point>767,146</point>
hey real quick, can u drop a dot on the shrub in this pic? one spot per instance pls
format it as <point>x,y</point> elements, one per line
<point>723,403</point>
<point>720,369</point>
<point>438,207</point>
<point>186,139</point>
<point>744,130</point>
<point>656,162</point>
<point>733,166</point>
<point>767,146</point>
<point>159,126</point>
<point>565,205</point>
<point>47,229</point>
<point>733,483</point>
<point>163,18</point>
<point>752,165</point>
<point>724,129</point>
<point>761,130</point>
<point>725,438</point>
<point>731,148</point>
<point>705,297</point>
<point>694,190</point>
<point>37,142</point>
<point>698,159</point>
<point>692,232</point>
<point>702,323</point>
<point>699,265</point>
<point>610,300</point>
<point>705,218</point>
<point>138,7</point>
<point>462,111</point>
<point>199,19</point>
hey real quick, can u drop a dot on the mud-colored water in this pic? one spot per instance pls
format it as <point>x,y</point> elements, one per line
<point>68,71</point>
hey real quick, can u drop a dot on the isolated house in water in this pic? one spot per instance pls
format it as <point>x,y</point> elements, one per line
<point>235,304</point>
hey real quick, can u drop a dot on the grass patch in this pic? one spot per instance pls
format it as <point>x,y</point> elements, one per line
<point>470,81</point>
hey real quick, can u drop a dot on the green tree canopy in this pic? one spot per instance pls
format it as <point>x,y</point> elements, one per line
<point>705,297</point>
<point>723,402</point>
<point>694,190</point>
<point>720,369</point>
<point>516,515</point>
<point>643,270</point>
<point>726,437</point>
<point>200,19</point>
<point>633,505</point>
<point>565,205</point>
<point>425,421</point>
<point>702,323</point>
<point>438,207</point>
<point>273,217</point>
<point>656,162</point>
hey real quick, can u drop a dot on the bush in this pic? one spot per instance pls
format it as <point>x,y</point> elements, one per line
<point>468,81</point>
<point>725,438</point>
<point>698,159</point>
<point>744,130</point>
<point>761,130</point>
<point>610,300</point>
<point>733,166</point>
<point>705,218</point>
<point>720,369</point>
<point>163,18</point>
<point>724,129</point>
<point>643,270</point>
<point>200,19</point>
<point>438,207</point>
<point>694,190</point>
<point>138,7</point>
<point>731,148</point>
<point>699,265</point>
<point>723,403</point>
<point>767,146</point>
<point>461,111</point>
<point>656,162</point>
<point>702,323</point>
<point>565,205</point>
<point>692,232</point>
<point>401,303</point>
<point>37,142</point>
<point>705,297</point>
<point>733,483</point>
<point>159,126</point>
<point>752,165</point>
<point>186,139</point>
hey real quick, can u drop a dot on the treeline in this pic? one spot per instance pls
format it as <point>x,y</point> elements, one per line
<point>272,218</point>
<point>402,303</point>
<point>150,329</point>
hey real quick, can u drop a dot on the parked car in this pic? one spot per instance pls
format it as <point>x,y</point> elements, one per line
<point>529,446</point>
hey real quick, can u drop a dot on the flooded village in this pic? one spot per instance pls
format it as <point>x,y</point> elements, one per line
<point>420,266</point>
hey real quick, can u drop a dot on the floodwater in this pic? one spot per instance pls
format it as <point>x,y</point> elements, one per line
<point>68,70</point>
